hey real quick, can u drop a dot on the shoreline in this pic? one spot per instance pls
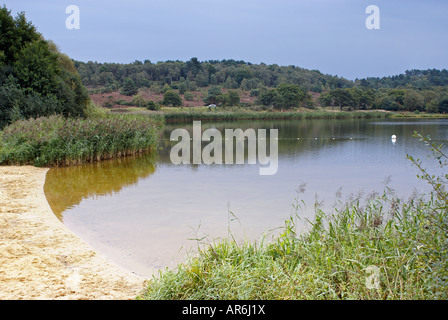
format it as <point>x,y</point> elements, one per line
<point>40,259</point>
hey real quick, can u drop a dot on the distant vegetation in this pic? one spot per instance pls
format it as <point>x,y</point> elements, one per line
<point>271,86</point>
<point>254,115</point>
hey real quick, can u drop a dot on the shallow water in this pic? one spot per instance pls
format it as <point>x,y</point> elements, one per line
<point>145,212</point>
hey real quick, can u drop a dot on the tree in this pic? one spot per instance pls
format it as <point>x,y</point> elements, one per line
<point>412,101</point>
<point>172,98</point>
<point>15,34</point>
<point>342,97</point>
<point>182,87</point>
<point>214,96</point>
<point>325,100</point>
<point>129,88</point>
<point>443,106</point>
<point>233,98</point>
<point>44,80</point>
<point>268,98</point>
<point>290,96</point>
<point>36,67</point>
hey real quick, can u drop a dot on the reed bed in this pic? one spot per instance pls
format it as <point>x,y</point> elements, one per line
<point>60,141</point>
<point>259,115</point>
<point>376,248</point>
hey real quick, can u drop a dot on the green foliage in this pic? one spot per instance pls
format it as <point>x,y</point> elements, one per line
<point>129,88</point>
<point>214,96</point>
<point>419,90</point>
<point>139,101</point>
<point>183,88</point>
<point>16,33</point>
<point>290,96</point>
<point>342,97</point>
<point>232,98</point>
<point>188,96</point>
<point>171,98</point>
<point>254,115</point>
<point>154,106</point>
<point>229,74</point>
<point>285,96</point>
<point>57,141</point>
<point>443,106</point>
<point>36,79</point>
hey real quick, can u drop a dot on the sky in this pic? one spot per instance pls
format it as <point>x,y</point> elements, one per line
<point>327,35</point>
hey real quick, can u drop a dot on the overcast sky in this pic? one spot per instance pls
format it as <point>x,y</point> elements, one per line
<point>328,35</point>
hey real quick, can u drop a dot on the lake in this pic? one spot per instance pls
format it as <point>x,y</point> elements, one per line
<point>147,213</point>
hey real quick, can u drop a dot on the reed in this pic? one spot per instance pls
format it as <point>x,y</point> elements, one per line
<point>60,141</point>
<point>254,115</point>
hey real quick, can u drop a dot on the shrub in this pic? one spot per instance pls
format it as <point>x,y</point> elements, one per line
<point>153,106</point>
<point>188,96</point>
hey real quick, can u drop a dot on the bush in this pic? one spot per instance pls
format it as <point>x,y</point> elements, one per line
<point>172,98</point>
<point>188,96</point>
<point>139,101</point>
<point>153,106</point>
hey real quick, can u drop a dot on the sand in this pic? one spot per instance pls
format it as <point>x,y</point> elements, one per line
<point>40,259</point>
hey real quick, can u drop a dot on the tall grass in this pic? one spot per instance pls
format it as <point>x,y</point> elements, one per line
<point>376,248</point>
<point>56,141</point>
<point>253,115</point>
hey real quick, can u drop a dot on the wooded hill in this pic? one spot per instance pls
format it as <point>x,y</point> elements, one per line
<point>273,86</point>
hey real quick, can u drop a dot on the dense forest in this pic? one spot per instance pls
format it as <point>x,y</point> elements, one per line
<point>274,86</point>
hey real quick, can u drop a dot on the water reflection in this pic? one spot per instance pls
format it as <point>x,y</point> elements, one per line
<point>66,187</point>
<point>141,211</point>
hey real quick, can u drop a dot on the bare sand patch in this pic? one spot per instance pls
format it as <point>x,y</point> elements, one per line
<point>40,258</point>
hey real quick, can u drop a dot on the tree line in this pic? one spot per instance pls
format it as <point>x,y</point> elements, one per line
<point>192,74</point>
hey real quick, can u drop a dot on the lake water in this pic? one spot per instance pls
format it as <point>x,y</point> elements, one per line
<point>145,212</point>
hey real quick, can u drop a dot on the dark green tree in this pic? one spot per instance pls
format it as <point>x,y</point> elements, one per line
<point>290,96</point>
<point>129,88</point>
<point>15,34</point>
<point>443,106</point>
<point>214,96</point>
<point>43,80</point>
<point>171,98</point>
<point>233,98</point>
<point>342,97</point>
<point>268,98</point>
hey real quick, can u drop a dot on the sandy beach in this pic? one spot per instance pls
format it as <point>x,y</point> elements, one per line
<point>40,258</point>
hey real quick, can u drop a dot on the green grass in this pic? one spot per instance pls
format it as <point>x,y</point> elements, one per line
<point>404,241</point>
<point>57,141</point>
